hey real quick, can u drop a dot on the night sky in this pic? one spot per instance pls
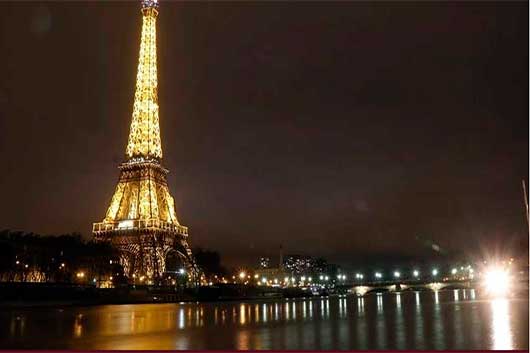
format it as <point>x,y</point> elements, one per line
<point>346,130</point>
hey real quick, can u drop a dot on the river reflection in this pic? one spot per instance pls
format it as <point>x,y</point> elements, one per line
<point>501,333</point>
<point>452,319</point>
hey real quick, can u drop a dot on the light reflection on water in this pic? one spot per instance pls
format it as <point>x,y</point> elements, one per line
<point>452,319</point>
<point>502,335</point>
<point>438,328</point>
<point>400,327</point>
<point>360,306</point>
<point>182,320</point>
<point>419,328</point>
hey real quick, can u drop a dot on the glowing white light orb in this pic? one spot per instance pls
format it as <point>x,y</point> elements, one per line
<point>497,281</point>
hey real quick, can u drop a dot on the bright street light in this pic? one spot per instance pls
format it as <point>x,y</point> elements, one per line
<point>416,273</point>
<point>497,281</point>
<point>454,271</point>
<point>378,275</point>
<point>397,274</point>
<point>434,272</point>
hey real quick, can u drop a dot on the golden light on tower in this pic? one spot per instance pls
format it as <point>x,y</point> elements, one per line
<point>144,137</point>
<point>141,219</point>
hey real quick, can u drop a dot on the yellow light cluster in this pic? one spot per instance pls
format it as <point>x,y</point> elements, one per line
<point>144,137</point>
<point>144,199</point>
<point>115,203</point>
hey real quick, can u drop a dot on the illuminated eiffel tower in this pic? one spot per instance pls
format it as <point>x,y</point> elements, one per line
<point>141,220</point>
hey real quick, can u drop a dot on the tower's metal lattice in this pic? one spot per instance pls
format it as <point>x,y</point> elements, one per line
<point>141,220</point>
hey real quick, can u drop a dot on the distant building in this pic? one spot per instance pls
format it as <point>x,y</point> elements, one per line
<point>299,264</point>
<point>306,265</point>
<point>264,262</point>
<point>320,265</point>
<point>292,269</point>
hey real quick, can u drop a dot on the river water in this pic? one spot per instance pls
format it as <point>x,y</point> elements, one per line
<point>450,319</point>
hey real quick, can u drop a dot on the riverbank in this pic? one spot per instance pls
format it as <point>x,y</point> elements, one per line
<point>30,295</point>
<point>48,294</point>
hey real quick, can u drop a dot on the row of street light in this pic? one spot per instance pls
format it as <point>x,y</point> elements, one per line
<point>415,273</point>
<point>378,276</point>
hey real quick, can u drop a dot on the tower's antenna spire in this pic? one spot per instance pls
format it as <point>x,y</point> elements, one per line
<point>144,136</point>
<point>149,4</point>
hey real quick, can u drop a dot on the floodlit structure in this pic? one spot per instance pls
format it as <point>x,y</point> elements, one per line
<point>141,220</point>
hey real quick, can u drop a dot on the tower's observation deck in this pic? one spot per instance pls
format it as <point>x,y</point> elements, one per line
<point>141,219</point>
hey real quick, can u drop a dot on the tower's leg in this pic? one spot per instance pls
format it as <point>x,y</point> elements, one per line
<point>145,255</point>
<point>125,262</point>
<point>191,266</point>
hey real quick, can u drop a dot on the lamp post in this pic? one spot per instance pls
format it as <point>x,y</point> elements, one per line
<point>434,272</point>
<point>242,276</point>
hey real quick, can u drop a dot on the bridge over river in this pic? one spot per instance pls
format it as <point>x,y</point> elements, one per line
<point>393,286</point>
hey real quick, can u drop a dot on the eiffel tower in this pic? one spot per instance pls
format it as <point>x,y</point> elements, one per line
<point>141,221</point>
